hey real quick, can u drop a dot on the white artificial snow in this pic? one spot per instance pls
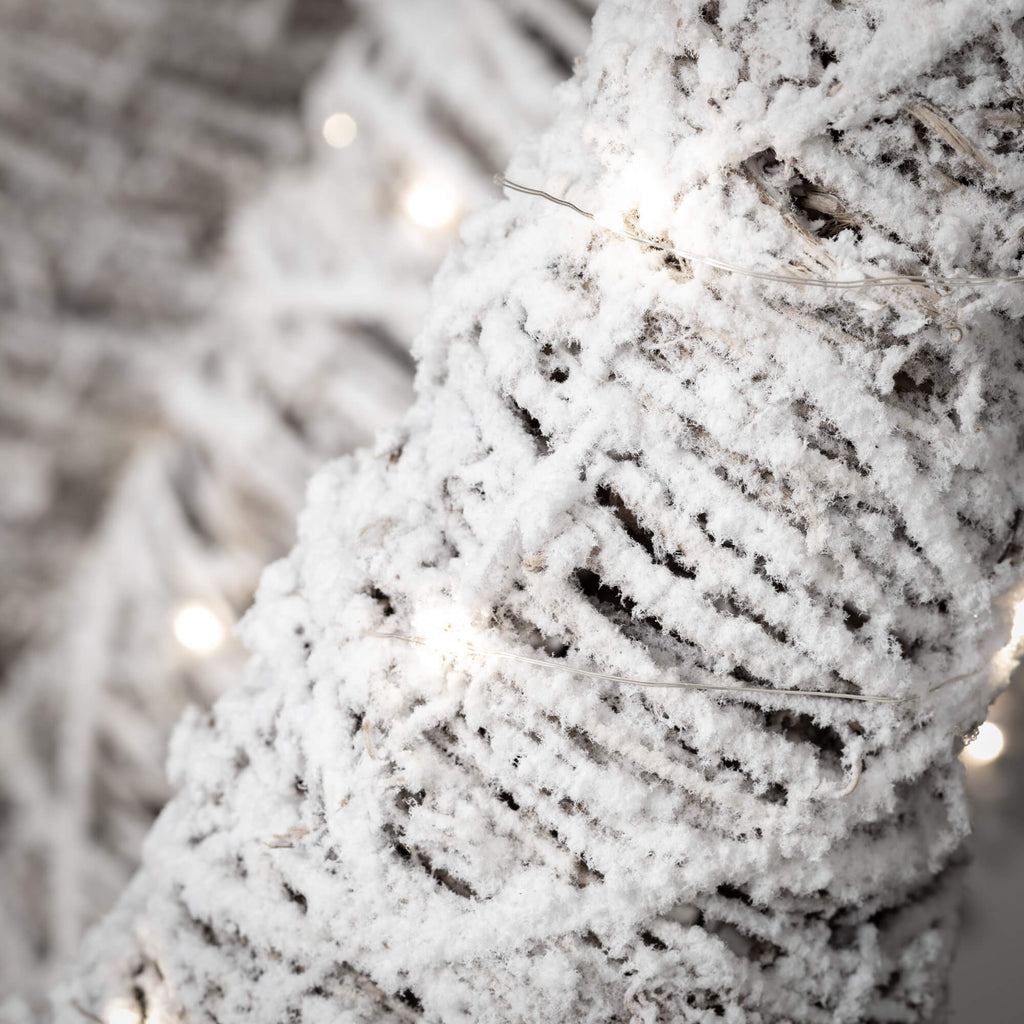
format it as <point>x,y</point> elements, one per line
<point>620,465</point>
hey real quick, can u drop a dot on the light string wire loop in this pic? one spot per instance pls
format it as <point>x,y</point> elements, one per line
<point>661,684</point>
<point>944,285</point>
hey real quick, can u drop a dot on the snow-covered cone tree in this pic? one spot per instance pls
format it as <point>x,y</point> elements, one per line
<point>650,469</point>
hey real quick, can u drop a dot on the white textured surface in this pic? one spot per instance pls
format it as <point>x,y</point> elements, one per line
<point>651,474</point>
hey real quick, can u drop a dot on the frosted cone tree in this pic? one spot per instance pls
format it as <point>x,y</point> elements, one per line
<point>795,505</point>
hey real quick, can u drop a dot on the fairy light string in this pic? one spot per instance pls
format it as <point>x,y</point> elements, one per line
<point>468,647</point>
<point>453,645</point>
<point>936,282</point>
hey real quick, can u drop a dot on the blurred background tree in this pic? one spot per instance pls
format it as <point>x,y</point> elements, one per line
<point>218,223</point>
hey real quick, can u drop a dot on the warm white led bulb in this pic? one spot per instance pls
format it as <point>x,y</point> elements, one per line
<point>986,746</point>
<point>122,1011</point>
<point>340,130</point>
<point>607,219</point>
<point>445,631</point>
<point>199,629</point>
<point>430,204</point>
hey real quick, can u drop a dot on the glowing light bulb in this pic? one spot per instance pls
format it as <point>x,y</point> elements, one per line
<point>986,746</point>
<point>199,629</point>
<point>609,220</point>
<point>444,632</point>
<point>122,1011</point>
<point>430,204</point>
<point>340,130</point>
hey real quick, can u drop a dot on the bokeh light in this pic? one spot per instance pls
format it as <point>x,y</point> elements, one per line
<point>199,629</point>
<point>430,204</point>
<point>340,130</point>
<point>986,746</point>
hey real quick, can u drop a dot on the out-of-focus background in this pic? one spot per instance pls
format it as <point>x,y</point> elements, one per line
<point>218,224</point>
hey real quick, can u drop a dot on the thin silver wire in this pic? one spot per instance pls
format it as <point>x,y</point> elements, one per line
<point>551,666</point>
<point>943,284</point>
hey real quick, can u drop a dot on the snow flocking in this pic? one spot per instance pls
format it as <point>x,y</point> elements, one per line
<point>655,470</point>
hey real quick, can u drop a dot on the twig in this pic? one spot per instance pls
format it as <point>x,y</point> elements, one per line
<point>952,136</point>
